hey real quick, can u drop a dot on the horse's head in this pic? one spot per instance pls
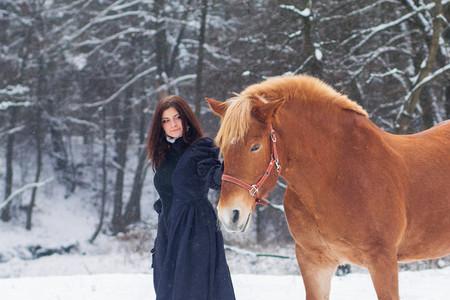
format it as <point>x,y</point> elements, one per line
<point>247,147</point>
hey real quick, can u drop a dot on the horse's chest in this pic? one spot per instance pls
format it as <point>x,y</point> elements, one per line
<point>316,234</point>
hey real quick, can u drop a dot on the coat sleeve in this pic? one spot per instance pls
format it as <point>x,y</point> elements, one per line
<point>211,169</point>
<point>215,180</point>
<point>209,166</point>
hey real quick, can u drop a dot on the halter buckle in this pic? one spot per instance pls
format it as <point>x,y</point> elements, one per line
<point>273,136</point>
<point>278,166</point>
<point>253,190</point>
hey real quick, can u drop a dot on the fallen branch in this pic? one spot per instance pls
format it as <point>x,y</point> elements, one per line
<point>23,189</point>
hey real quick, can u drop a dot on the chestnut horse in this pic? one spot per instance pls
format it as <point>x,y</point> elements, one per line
<point>354,193</point>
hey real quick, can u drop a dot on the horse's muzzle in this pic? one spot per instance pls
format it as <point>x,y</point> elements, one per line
<point>234,220</point>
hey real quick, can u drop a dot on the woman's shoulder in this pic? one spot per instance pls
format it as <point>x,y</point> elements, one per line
<point>204,145</point>
<point>203,141</point>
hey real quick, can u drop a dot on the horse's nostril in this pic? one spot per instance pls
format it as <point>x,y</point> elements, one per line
<point>235,216</point>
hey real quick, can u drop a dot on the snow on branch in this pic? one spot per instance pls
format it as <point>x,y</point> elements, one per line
<point>120,34</point>
<point>63,7</point>
<point>14,90</point>
<point>119,16</point>
<point>101,43</point>
<point>372,56</point>
<point>127,5</point>
<point>104,17</point>
<point>303,65</point>
<point>174,82</point>
<point>7,104</point>
<point>426,25</point>
<point>427,79</point>
<point>388,106</point>
<point>371,32</point>
<point>305,13</point>
<point>362,10</point>
<point>23,189</point>
<point>82,122</point>
<point>215,52</point>
<point>391,72</point>
<point>119,91</point>
<point>295,34</point>
<point>12,130</point>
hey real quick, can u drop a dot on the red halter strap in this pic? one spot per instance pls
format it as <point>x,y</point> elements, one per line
<point>253,189</point>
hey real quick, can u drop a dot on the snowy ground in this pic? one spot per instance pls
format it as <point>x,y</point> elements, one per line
<point>429,285</point>
<point>119,267</point>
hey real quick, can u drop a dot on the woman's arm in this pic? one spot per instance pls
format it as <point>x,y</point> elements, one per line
<point>211,169</point>
<point>215,180</point>
<point>157,206</point>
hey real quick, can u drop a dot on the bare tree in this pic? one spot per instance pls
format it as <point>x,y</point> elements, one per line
<point>412,98</point>
<point>199,71</point>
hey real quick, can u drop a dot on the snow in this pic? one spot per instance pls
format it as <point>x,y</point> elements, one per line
<point>4,105</point>
<point>79,60</point>
<point>14,90</point>
<point>318,54</point>
<point>430,285</point>
<point>305,13</point>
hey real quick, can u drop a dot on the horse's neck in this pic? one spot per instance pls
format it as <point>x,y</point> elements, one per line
<point>313,137</point>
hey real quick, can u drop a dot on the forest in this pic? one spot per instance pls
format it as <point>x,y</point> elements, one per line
<point>79,81</point>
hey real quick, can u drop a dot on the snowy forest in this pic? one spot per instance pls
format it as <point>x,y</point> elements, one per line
<point>79,81</point>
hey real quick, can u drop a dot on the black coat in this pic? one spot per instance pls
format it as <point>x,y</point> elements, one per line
<point>189,258</point>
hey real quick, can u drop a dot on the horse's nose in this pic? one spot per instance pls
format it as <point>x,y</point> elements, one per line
<point>235,216</point>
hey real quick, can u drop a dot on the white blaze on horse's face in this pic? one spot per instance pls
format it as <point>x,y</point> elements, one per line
<point>235,216</point>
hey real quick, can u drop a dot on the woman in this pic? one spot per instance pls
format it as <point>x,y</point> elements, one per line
<point>188,258</point>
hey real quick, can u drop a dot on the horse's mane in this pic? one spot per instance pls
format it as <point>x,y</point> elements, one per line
<point>236,120</point>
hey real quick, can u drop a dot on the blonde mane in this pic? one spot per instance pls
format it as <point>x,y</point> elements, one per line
<point>236,121</point>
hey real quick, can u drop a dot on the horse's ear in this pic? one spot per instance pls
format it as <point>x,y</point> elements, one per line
<point>216,106</point>
<point>264,112</point>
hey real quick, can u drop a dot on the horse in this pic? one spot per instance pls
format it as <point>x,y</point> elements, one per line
<point>355,193</point>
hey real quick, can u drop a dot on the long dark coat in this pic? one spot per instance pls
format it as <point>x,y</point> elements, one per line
<point>189,258</point>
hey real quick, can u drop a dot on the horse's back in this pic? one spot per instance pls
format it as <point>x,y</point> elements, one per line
<point>426,157</point>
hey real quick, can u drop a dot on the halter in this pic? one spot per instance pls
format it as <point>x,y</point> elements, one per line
<point>253,189</point>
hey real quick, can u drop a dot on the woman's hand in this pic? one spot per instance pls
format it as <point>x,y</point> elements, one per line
<point>157,206</point>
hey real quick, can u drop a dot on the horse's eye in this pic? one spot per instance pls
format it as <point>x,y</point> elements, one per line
<point>255,147</point>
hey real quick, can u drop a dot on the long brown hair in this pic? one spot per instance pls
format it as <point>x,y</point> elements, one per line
<point>157,145</point>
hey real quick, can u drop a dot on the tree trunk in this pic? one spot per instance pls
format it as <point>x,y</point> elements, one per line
<point>426,102</point>
<point>406,114</point>
<point>161,47</point>
<point>6,212</point>
<point>133,209</point>
<point>447,102</point>
<point>121,135</point>
<point>39,138</point>
<point>104,178</point>
<point>42,90</point>
<point>199,71</point>
<point>9,176</point>
<point>315,66</point>
<point>165,57</point>
<point>59,152</point>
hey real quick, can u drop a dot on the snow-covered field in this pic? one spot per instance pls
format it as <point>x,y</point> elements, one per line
<point>118,268</point>
<point>424,285</point>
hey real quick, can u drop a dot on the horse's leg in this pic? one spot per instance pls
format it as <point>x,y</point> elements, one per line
<point>384,272</point>
<point>317,271</point>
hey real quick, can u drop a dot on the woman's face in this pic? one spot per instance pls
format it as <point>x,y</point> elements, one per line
<point>171,123</point>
